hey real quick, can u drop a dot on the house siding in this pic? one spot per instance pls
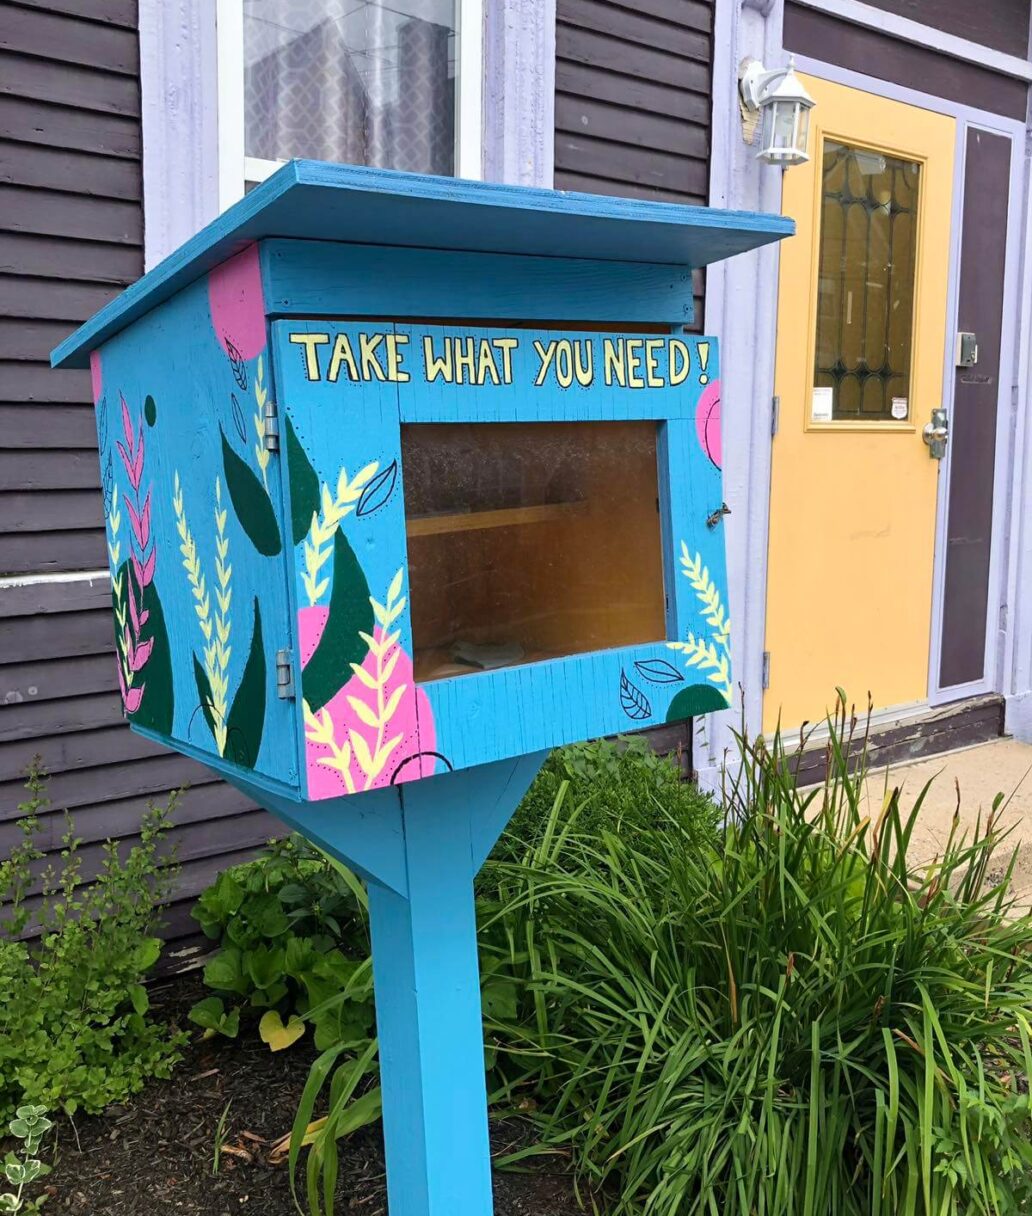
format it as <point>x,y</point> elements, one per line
<point>633,81</point>
<point>71,238</point>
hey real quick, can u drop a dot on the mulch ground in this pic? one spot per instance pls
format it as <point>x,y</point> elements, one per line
<point>155,1154</point>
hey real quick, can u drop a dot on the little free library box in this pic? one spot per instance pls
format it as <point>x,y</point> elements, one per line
<point>408,480</point>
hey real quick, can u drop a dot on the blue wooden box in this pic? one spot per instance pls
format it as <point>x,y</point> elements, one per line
<point>407,480</point>
<point>252,394</point>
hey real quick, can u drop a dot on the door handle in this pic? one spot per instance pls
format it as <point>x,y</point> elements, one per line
<point>937,433</point>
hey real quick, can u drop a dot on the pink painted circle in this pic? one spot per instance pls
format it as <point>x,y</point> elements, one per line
<point>707,421</point>
<point>237,305</point>
<point>96,375</point>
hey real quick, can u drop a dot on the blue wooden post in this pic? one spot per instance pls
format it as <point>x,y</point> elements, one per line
<point>419,846</point>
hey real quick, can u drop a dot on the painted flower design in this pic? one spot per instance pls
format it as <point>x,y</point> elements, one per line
<point>365,733</point>
<point>707,422</point>
<point>133,649</point>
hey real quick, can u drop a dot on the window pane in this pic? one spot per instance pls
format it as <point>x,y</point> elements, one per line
<point>530,541</point>
<point>865,286</point>
<point>355,81</point>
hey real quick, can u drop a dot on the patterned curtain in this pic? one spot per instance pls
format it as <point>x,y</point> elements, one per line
<point>351,80</point>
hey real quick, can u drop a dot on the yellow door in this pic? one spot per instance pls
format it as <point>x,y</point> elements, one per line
<point>860,349</point>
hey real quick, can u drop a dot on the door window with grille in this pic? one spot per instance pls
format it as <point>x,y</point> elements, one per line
<point>865,292</point>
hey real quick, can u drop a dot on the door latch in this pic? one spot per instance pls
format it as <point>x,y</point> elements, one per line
<point>936,434</point>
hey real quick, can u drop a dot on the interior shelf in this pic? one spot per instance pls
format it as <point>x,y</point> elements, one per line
<point>502,517</point>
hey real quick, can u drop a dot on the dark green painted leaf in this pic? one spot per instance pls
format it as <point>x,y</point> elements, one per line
<point>250,501</point>
<point>659,671</point>
<point>379,490</point>
<point>158,704</point>
<point>329,668</point>
<point>633,701</point>
<point>304,486</point>
<point>694,700</point>
<point>204,694</point>
<point>247,713</point>
<point>150,411</point>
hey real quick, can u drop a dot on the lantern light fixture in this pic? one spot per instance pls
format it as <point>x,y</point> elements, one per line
<point>783,106</point>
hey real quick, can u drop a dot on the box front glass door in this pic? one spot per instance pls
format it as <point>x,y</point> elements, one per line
<point>861,332</point>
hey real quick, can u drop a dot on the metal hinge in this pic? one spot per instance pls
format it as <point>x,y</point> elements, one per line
<point>285,675</point>
<point>270,422</point>
<point>775,410</point>
<point>765,670</point>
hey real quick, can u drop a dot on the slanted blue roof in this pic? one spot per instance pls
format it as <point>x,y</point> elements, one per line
<point>327,202</point>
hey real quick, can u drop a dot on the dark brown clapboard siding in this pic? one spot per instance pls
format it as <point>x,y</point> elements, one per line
<point>71,236</point>
<point>1001,24</point>
<point>633,97</point>
<point>632,100</point>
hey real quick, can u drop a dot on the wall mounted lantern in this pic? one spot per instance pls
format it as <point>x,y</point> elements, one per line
<point>783,107</point>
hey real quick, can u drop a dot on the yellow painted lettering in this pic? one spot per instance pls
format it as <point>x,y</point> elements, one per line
<point>465,360</point>
<point>395,372</point>
<point>613,370</point>
<point>652,376</point>
<point>564,363</point>
<point>486,364</point>
<point>584,361</point>
<point>546,354</point>
<point>310,342</point>
<point>342,355</point>
<point>680,361</point>
<point>367,344</point>
<point>506,346</point>
<point>434,364</point>
<point>634,347</point>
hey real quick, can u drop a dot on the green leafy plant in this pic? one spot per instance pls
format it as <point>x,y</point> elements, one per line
<point>74,1026</point>
<point>619,785</point>
<point>23,1168</point>
<point>796,1019</point>
<point>293,934</point>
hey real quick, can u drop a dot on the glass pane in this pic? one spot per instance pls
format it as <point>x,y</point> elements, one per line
<point>530,541</point>
<point>865,286</point>
<point>357,81</point>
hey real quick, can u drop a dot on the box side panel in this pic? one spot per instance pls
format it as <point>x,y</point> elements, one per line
<point>347,390</point>
<point>358,699</point>
<point>194,526</point>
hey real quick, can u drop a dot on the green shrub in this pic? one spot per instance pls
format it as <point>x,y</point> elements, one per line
<point>74,1026</point>
<point>798,1020</point>
<point>612,786</point>
<point>293,934</point>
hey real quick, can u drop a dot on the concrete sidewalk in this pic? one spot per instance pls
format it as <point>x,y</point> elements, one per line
<point>980,772</point>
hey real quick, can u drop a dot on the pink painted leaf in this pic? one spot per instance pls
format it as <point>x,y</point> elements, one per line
<point>127,424</point>
<point>144,571</point>
<point>127,460</point>
<point>142,654</point>
<point>140,522</point>
<point>133,698</point>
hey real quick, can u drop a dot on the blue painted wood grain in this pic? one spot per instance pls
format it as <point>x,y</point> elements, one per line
<point>201,411</point>
<point>320,278</point>
<point>473,719</point>
<point>312,200</point>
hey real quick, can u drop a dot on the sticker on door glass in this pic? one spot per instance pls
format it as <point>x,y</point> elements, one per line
<point>900,408</point>
<point>822,404</point>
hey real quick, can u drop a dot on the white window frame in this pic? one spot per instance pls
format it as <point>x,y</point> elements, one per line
<point>236,169</point>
